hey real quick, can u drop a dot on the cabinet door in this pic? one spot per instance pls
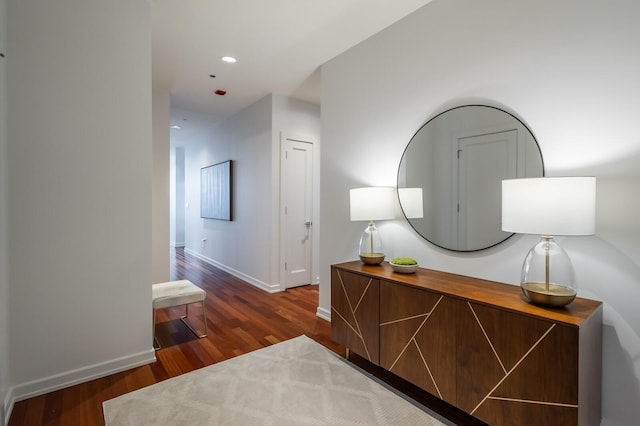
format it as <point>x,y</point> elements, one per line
<point>418,339</point>
<point>354,313</point>
<point>516,369</point>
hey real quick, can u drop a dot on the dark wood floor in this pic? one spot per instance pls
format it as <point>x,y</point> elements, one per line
<point>240,319</point>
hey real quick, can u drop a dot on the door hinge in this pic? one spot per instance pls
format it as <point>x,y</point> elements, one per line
<point>459,151</point>
<point>285,266</point>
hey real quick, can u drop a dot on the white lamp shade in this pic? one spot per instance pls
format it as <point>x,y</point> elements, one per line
<point>372,203</point>
<point>411,202</point>
<point>549,205</point>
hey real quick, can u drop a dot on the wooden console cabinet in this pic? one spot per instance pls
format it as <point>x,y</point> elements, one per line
<point>476,344</point>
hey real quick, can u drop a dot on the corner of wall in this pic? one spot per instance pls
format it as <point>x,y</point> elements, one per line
<point>6,408</point>
<point>160,217</point>
<point>323,313</point>
<point>4,280</point>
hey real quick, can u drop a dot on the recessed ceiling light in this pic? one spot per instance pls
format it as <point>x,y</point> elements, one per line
<point>175,126</point>
<point>229,59</point>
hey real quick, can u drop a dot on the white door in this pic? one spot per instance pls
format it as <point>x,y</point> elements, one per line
<point>483,162</point>
<point>297,196</point>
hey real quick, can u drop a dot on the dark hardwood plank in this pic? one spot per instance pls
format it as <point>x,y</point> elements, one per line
<point>240,319</point>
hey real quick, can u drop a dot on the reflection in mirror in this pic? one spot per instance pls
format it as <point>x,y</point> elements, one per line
<point>459,159</point>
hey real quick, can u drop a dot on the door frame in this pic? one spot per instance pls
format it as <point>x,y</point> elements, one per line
<point>472,133</point>
<point>284,136</point>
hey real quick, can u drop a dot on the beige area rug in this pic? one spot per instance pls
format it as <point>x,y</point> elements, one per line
<point>296,382</point>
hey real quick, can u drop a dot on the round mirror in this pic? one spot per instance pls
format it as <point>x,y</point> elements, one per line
<point>449,178</point>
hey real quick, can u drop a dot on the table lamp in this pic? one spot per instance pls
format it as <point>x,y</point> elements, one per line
<point>370,204</point>
<point>549,206</point>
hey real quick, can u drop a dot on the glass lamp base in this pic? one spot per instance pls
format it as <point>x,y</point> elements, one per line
<point>371,251</point>
<point>553,295</point>
<point>547,275</point>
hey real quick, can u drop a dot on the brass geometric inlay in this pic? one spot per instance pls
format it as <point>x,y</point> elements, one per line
<point>352,310</point>
<point>412,341</point>
<point>509,372</point>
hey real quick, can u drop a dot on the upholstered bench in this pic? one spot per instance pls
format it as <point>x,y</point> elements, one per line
<point>177,293</point>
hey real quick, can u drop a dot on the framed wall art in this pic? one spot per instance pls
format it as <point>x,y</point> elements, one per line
<point>215,191</point>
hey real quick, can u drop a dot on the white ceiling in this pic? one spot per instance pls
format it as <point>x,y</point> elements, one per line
<point>279,44</point>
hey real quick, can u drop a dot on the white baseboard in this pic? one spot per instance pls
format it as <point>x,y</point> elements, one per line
<point>270,288</point>
<point>74,377</point>
<point>174,244</point>
<point>323,313</point>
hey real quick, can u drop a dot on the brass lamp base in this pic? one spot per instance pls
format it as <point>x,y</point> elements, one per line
<point>372,258</point>
<point>549,295</point>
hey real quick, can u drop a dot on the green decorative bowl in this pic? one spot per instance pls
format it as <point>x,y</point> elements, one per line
<point>404,265</point>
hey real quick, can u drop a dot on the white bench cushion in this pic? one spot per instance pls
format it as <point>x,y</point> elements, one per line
<point>176,293</point>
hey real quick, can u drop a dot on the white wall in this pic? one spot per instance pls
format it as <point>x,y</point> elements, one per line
<point>176,197</point>
<point>78,130</point>
<point>247,246</point>
<point>160,188</point>
<point>246,139</point>
<point>4,274</point>
<point>570,70</point>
